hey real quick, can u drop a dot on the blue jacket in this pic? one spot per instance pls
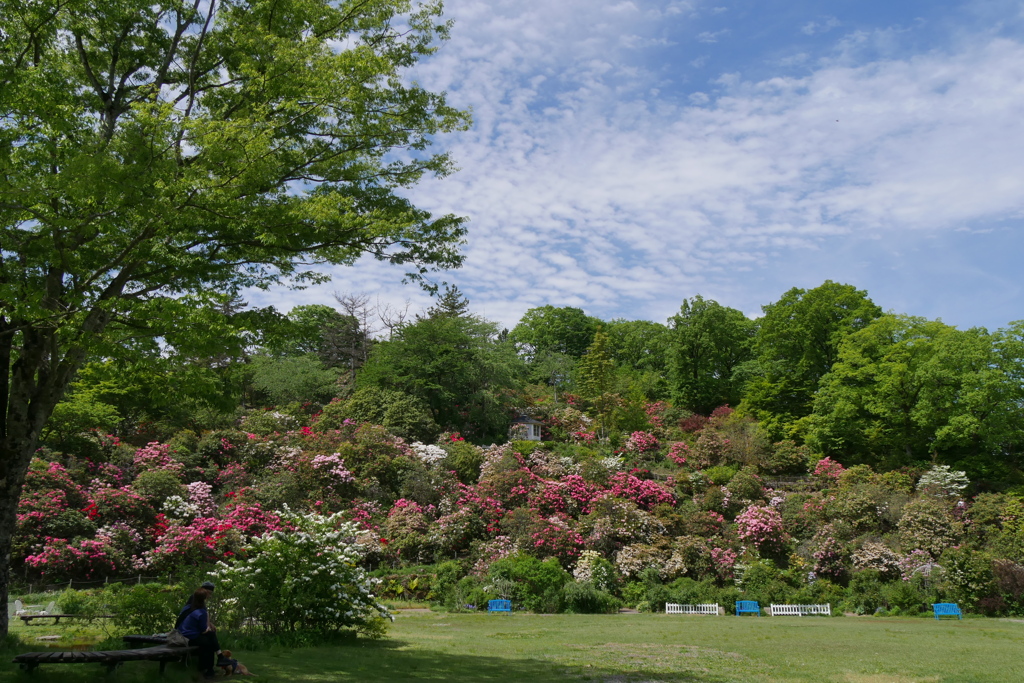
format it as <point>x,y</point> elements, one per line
<point>195,624</point>
<point>185,611</point>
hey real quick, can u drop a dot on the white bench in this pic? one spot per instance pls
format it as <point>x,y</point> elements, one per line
<point>672,608</point>
<point>800,610</point>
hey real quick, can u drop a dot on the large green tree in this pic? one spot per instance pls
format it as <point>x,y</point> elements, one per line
<point>708,341</point>
<point>907,389</point>
<point>797,342</point>
<point>453,362</point>
<point>552,329</point>
<point>153,152</point>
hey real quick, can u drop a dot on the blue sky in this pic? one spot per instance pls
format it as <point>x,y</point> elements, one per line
<point>627,154</point>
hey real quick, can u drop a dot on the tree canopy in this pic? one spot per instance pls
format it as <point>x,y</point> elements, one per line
<point>157,155</point>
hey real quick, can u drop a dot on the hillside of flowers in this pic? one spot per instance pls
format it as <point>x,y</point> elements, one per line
<point>690,509</point>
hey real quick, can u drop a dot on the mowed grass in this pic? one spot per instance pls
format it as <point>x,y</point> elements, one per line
<point>641,648</point>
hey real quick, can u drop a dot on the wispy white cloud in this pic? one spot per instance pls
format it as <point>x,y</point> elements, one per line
<point>825,25</point>
<point>592,178</point>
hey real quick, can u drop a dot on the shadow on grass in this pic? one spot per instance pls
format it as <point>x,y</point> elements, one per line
<point>392,660</point>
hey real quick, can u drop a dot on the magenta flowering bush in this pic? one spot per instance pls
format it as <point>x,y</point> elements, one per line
<point>157,456</point>
<point>678,453</point>
<point>641,442</point>
<point>644,492</point>
<point>761,525</point>
<point>828,469</point>
<point>557,538</point>
<point>61,559</point>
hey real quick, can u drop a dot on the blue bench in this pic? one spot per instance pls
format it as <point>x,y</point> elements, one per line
<point>499,605</point>
<point>748,606</point>
<point>947,609</point>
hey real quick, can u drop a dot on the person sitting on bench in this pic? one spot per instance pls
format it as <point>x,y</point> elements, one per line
<point>187,609</point>
<point>201,633</point>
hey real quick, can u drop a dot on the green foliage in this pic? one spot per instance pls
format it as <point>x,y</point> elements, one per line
<point>797,343</point>
<point>548,329</point>
<point>156,486</point>
<point>293,378</point>
<point>967,575</point>
<point>865,593</point>
<point>707,343</point>
<point>787,457</point>
<point>400,414</point>
<point>456,366</point>
<point>72,601</point>
<point>906,596</point>
<point>465,460</point>
<point>143,608</point>
<point>721,475</point>
<point>764,582</point>
<point>906,389</point>
<point>585,598</point>
<point>534,585</point>
<point>745,485</point>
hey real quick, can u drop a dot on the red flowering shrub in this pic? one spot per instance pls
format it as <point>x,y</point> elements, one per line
<point>644,492</point>
<point>61,559</point>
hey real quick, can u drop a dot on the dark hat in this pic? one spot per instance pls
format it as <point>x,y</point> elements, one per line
<point>208,585</point>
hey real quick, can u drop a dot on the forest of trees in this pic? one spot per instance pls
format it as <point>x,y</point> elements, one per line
<point>823,367</point>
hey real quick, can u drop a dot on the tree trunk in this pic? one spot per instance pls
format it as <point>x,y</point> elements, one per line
<point>36,380</point>
<point>14,461</point>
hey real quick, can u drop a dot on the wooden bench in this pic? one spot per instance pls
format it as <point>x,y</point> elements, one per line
<point>947,609</point>
<point>748,607</point>
<point>672,608</point>
<point>499,605</point>
<point>799,610</point>
<point>111,659</point>
<point>57,617</point>
<point>155,639</point>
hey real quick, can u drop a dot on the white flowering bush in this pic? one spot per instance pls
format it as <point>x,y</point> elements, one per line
<point>305,578</point>
<point>594,569</point>
<point>429,454</point>
<point>177,507</point>
<point>941,481</point>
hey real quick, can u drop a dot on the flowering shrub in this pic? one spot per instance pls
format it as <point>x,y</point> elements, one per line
<point>587,438</point>
<point>941,481</point>
<point>157,456</point>
<point>677,453</point>
<point>635,558</point>
<point>61,559</point>
<point>200,494</point>
<point>710,449</point>
<point>641,442</point>
<point>829,555</point>
<point>644,492</point>
<point>614,523</point>
<point>926,525</point>
<point>875,555</point>
<point>429,454</point>
<point>592,568</point>
<point>828,468</point>
<point>307,578</point>
<point>724,559</point>
<point>762,526</point>
<point>202,541</point>
<point>453,533</point>
<point>917,562</point>
<point>334,467</point>
<point>556,538</point>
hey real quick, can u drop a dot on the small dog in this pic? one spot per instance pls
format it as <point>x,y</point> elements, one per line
<point>240,669</point>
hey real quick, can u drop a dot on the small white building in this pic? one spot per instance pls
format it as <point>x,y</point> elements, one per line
<point>525,428</point>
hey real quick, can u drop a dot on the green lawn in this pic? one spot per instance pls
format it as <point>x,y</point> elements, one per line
<point>631,647</point>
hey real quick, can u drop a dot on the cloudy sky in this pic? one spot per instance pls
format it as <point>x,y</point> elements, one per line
<point>627,154</point>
